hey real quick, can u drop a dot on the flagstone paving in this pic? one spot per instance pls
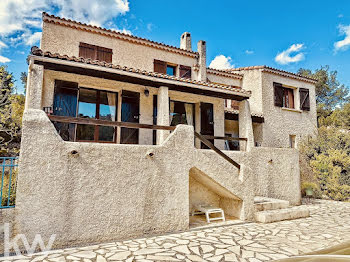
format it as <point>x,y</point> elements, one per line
<point>328,225</point>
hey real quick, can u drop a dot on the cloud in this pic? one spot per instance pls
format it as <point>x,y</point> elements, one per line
<point>19,18</point>
<point>150,27</point>
<point>344,44</point>
<point>249,52</point>
<point>287,57</point>
<point>2,44</point>
<point>91,11</point>
<point>4,59</point>
<point>33,39</point>
<point>221,62</point>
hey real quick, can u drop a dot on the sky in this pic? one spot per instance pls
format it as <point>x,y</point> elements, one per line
<point>284,34</point>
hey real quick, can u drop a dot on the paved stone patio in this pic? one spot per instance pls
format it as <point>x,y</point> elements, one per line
<point>328,225</point>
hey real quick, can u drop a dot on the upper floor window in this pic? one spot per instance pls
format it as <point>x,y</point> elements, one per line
<point>170,70</point>
<point>95,52</point>
<point>284,97</point>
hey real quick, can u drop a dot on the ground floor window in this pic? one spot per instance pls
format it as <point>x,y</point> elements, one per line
<point>181,113</point>
<point>74,101</point>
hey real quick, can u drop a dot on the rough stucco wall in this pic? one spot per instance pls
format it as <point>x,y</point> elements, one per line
<point>106,191</point>
<point>280,123</point>
<point>224,80</point>
<point>111,191</point>
<point>252,81</point>
<point>65,41</point>
<point>277,173</point>
<point>199,194</point>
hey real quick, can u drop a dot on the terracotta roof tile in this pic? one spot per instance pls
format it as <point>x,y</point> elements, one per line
<point>139,40</point>
<point>236,112</point>
<point>272,70</point>
<point>38,52</point>
<point>224,73</point>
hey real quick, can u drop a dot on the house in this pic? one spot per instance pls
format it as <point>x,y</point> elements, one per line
<point>124,136</point>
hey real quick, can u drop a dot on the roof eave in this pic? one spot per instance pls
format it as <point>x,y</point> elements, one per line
<point>223,93</point>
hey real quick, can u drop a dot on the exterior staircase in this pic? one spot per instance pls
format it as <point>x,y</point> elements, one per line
<point>269,210</point>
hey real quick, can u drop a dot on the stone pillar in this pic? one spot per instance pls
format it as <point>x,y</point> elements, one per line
<point>162,113</point>
<point>245,125</point>
<point>202,61</point>
<point>34,87</point>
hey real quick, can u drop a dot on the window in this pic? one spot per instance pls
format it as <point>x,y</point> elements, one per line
<point>65,104</point>
<point>284,97</point>
<point>97,105</point>
<point>288,98</point>
<point>170,70</point>
<point>95,52</point>
<point>292,141</point>
<point>304,99</point>
<point>181,113</point>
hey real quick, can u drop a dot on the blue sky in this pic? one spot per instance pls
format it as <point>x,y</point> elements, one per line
<point>283,34</point>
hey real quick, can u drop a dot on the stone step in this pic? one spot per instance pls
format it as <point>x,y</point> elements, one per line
<point>264,204</point>
<point>281,214</point>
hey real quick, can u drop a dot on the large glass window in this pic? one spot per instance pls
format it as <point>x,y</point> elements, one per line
<point>97,105</point>
<point>181,113</point>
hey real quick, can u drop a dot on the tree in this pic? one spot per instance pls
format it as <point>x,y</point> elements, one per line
<point>325,159</point>
<point>330,93</point>
<point>24,78</point>
<point>11,111</point>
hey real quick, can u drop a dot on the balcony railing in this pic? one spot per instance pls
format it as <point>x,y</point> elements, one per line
<point>8,167</point>
<point>98,122</point>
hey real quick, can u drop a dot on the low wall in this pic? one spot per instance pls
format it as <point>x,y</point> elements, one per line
<point>107,191</point>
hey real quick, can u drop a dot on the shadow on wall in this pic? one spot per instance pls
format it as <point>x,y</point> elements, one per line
<point>203,190</point>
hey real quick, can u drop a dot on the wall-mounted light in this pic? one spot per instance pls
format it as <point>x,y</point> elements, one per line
<point>146,92</point>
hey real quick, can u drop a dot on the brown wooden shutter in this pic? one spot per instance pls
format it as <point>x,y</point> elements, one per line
<point>160,66</point>
<point>87,51</point>
<point>279,93</point>
<point>185,71</point>
<point>104,54</point>
<point>304,99</point>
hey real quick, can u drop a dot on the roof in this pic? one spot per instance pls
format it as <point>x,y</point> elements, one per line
<point>112,33</point>
<point>236,112</point>
<point>224,73</point>
<point>274,71</point>
<point>38,52</point>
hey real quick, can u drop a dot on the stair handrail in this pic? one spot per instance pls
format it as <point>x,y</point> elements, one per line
<point>216,150</point>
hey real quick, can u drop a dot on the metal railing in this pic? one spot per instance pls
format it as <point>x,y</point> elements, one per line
<point>9,171</point>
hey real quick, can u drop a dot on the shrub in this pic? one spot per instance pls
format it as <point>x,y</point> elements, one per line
<point>315,188</point>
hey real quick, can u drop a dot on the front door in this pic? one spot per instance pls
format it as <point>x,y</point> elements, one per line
<point>207,121</point>
<point>130,113</point>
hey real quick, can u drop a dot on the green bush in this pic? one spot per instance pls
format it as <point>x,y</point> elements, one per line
<point>315,189</point>
<point>325,161</point>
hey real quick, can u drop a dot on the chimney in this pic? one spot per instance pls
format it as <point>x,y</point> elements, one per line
<point>186,42</point>
<point>202,62</point>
